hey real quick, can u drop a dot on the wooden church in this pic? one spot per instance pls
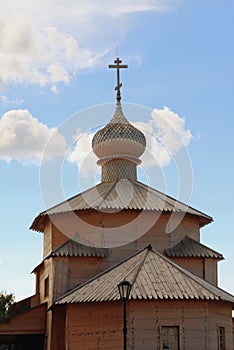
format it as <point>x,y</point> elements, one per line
<point>119,231</point>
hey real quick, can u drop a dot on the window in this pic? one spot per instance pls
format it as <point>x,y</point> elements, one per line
<point>170,338</point>
<point>221,338</point>
<point>46,287</point>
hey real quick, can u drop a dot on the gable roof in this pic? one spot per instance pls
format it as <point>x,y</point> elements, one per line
<point>120,195</point>
<point>152,276</point>
<point>73,248</point>
<point>189,248</point>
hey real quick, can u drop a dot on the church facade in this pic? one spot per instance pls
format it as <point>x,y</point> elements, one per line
<point>94,241</point>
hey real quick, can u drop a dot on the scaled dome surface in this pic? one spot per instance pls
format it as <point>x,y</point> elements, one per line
<point>119,139</point>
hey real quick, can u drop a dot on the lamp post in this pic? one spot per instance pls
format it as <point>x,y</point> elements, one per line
<point>124,288</point>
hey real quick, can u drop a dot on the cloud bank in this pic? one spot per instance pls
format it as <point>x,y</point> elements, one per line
<point>41,57</point>
<point>49,42</point>
<point>165,133</point>
<point>23,138</point>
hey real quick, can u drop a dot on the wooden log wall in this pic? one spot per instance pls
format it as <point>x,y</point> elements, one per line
<point>97,326</point>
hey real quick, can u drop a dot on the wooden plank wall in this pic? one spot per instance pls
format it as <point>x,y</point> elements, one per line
<point>46,272</point>
<point>99,325</point>
<point>57,341</point>
<point>60,276</point>
<point>198,323</point>
<point>94,326</point>
<point>47,239</point>
<point>83,268</point>
<point>220,316</point>
<point>211,271</point>
<point>157,235</point>
<point>196,265</point>
<point>148,318</point>
<point>69,272</point>
<point>205,268</point>
<point>160,229</point>
<point>28,322</point>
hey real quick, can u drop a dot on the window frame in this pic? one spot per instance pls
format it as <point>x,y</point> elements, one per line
<point>46,287</point>
<point>221,333</point>
<point>177,327</point>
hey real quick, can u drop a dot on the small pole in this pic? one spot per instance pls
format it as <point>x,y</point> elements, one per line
<point>124,288</point>
<point>124,325</point>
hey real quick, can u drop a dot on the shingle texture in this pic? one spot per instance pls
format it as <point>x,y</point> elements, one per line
<point>118,128</point>
<point>189,248</point>
<point>73,248</point>
<point>122,194</point>
<point>152,276</point>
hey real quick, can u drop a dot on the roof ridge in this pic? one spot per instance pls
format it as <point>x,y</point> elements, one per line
<point>111,188</point>
<point>149,247</point>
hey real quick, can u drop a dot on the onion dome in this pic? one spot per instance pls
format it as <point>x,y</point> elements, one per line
<point>119,144</point>
<point>118,139</point>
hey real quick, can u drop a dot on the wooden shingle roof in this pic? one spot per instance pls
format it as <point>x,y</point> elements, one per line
<point>120,195</point>
<point>189,248</point>
<point>73,248</point>
<point>153,276</point>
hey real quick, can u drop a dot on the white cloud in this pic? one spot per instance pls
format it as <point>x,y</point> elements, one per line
<point>165,134</point>
<point>70,11</point>
<point>48,42</point>
<point>82,154</point>
<point>6,101</point>
<point>54,89</point>
<point>43,57</point>
<point>23,137</point>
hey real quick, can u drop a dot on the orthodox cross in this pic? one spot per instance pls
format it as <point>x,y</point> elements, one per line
<point>118,65</point>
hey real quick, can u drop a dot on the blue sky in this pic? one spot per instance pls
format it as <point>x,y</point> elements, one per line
<point>54,58</point>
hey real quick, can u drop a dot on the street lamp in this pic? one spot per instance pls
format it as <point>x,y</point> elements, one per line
<point>124,288</point>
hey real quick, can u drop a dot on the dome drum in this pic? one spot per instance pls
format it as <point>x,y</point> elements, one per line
<point>117,169</point>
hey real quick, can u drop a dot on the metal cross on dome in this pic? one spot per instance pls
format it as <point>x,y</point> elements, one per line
<point>118,65</point>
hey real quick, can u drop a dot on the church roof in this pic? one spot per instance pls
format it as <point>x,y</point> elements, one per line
<point>120,195</point>
<point>189,248</point>
<point>73,248</point>
<point>153,276</point>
